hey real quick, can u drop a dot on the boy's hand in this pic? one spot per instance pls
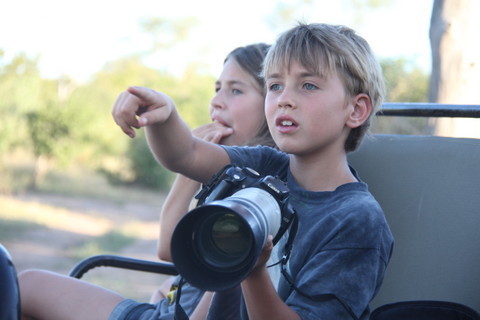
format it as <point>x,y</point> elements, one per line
<point>212,132</point>
<point>138,107</point>
<point>264,254</point>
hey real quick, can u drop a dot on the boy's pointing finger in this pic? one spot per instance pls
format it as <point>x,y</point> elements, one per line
<point>146,95</point>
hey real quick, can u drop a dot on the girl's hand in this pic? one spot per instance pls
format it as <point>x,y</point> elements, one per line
<point>212,132</point>
<point>138,107</point>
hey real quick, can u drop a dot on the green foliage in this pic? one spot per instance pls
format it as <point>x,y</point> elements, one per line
<point>22,90</point>
<point>110,242</point>
<point>405,83</point>
<point>65,123</point>
<point>49,130</point>
<point>10,135</point>
<point>191,93</point>
<point>147,171</point>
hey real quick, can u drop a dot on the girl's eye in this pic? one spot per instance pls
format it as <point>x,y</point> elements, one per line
<point>236,91</point>
<point>310,86</point>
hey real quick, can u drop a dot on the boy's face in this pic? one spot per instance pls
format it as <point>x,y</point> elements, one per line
<point>306,113</point>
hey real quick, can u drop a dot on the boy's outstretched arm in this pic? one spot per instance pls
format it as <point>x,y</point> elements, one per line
<point>169,137</point>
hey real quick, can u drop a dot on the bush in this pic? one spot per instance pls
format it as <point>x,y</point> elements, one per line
<point>147,171</point>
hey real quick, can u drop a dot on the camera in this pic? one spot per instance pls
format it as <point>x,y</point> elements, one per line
<point>216,245</point>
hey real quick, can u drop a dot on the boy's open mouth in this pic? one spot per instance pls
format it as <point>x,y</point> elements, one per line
<point>286,123</point>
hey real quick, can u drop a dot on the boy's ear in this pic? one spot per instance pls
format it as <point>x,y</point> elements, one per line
<point>362,108</point>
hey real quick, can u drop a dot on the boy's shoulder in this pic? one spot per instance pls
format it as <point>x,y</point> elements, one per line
<point>253,149</point>
<point>351,204</point>
<point>265,160</point>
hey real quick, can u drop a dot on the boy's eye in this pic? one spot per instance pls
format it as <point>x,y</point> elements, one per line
<point>274,87</point>
<point>310,86</point>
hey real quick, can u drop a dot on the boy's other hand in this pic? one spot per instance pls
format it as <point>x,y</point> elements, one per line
<point>265,253</point>
<point>138,107</point>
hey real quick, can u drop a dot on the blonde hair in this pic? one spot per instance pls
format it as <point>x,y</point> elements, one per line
<point>327,49</point>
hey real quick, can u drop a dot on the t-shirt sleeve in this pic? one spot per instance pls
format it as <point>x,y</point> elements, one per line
<point>264,160</point>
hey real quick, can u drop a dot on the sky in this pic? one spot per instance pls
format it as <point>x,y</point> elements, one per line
<point>77,38</point>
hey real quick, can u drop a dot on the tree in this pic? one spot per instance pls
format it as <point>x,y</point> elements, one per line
<point>25,97</point>
<point>455,61</point>
<point>22,90</point>
<point>405,83</point>
<point>50,135</point>
<point>125,160</point>
<point>61,122</point>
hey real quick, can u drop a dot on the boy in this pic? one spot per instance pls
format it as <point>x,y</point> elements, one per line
<point>323,85</point>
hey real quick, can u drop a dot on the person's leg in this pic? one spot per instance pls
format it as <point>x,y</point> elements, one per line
<point>162,291</point>
<point>45,295</point>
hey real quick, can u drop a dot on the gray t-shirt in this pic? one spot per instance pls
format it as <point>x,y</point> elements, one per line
<point>342,246</point>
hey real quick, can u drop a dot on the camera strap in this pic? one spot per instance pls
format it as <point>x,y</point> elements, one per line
<point>283,262</point>
<point>180,314</point>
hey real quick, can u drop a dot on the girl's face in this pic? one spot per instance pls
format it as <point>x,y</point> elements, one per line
<point>237,104</point>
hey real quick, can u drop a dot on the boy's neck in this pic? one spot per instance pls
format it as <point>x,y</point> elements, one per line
<point>321,174</point>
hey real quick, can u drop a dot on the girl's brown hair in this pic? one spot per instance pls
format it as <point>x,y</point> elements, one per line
<point>250,58</point>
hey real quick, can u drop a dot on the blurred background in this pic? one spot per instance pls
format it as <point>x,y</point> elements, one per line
<point>73,185</point>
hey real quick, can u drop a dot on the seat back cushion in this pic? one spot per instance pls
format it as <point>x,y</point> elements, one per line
<point>429,189</point>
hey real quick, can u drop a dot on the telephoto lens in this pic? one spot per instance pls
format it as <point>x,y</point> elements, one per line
<point>216,245</point>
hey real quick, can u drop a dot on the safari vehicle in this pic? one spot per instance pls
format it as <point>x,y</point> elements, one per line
<point>429,188</point>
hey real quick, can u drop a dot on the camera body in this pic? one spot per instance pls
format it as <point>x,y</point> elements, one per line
<point>232,179</point>
<point>216,245</point>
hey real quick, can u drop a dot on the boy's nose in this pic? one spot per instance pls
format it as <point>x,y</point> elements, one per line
<point>286,100</point>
